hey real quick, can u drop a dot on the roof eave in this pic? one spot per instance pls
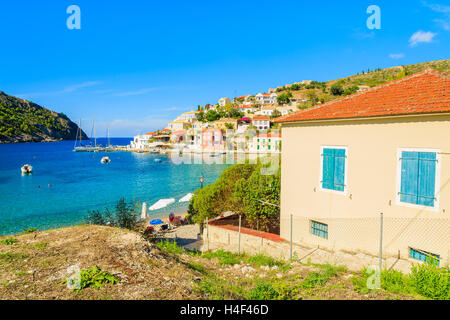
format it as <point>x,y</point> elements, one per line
<point>406,115</point>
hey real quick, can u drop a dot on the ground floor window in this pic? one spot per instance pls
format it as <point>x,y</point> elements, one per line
<point>319,229</point>
<point>424,256</point>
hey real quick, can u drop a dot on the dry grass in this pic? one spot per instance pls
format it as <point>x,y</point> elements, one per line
<point>35,267</point>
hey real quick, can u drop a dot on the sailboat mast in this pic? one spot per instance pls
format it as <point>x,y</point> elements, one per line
<point>95,135</point>
<point>76,135</point>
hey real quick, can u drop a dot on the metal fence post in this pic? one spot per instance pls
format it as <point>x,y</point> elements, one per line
<point>207,234</point>
<point>381,241</point>
<point>290,254</point>
<point>239,246</point>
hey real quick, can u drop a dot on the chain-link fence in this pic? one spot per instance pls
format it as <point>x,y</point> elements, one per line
<point>414,239</point>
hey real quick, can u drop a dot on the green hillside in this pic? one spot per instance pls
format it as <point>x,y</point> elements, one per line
<point>24,121</point>
<point>321,92</point>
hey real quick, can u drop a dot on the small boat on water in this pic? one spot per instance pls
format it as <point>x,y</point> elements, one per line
<point>105,160</point>
<point>27,169</point>
<point>158,160</point>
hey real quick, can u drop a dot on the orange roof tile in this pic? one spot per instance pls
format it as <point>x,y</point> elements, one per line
<point>422,93</point>
<point>261,118</point>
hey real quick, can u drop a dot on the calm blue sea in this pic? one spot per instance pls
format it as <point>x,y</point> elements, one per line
<point>79,183</point>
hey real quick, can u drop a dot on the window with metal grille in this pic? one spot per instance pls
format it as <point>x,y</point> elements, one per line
<point>424,256</point>
<point>418,178</point>
<point>319,229</point>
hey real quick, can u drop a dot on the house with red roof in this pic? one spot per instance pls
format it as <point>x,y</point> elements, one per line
<point>261,122</point>
<point>378,155</point>
<point>266,98</point>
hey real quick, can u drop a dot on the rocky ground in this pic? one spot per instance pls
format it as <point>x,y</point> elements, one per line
<point>35,266</point>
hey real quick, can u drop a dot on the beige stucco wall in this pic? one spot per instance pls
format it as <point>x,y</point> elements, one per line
<point>372,167</point>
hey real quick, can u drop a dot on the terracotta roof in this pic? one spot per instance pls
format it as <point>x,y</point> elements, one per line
<point>179,132</point>
<point>261,118</point>
<point>150,134</point>
<point>422,93</point>
<point>268,135</point>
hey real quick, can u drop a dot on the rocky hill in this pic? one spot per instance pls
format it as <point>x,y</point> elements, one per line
<point>25,121</point>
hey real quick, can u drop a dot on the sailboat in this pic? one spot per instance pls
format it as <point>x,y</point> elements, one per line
<point>108,148</point>
<point>87,148</point>
<point>81,147</point>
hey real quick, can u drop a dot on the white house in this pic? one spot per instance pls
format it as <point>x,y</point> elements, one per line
<point>266,98</point>
<point>189,116</point>
<point>266,143</point>
<point>266,111</point>
<point>261,122</point>
<point>143,142</point>
<point>224,101</point>
<point>247,109</point>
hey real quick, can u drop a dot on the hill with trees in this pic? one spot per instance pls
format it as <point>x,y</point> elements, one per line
<point>321,92</point>
<point>25,121</point>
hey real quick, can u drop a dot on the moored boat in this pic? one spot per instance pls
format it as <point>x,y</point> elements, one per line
<point>105,160</point>
<point>26,169</point>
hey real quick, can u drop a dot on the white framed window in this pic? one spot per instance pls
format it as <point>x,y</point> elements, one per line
<point>333,169</point>
<point>418,178</point>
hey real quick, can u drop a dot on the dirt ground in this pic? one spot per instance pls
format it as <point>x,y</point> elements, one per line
<point>37,265</point>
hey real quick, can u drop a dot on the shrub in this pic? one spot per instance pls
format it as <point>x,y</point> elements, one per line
<point>315,278</point>
<point>95,278</point>
<point>225,257</point>
<point>171,247</point>
<point>431,281</point>
<point>270,291</point>
<point>30,230</point>
<point>212,200</point>
<point>9,241</point>
<point>126,216</point>
<point>337,89</point>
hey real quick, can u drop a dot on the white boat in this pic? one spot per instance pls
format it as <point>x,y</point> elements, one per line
<point>27,169</point>
<point>105,160</point>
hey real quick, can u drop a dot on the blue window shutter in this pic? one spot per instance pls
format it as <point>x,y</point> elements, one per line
<point>339,170</point>
<point>427,177</point>
<point>409,177</point>
<point>328,169</point>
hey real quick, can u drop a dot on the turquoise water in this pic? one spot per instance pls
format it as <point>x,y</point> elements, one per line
<point>79,183</point>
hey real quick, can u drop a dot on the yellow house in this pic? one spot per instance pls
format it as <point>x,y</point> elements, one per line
<point>224,122</point>
<point>379,155</point>
<point>180,124</point>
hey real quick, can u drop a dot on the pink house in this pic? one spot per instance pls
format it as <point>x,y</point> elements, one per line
<point>212,139</point>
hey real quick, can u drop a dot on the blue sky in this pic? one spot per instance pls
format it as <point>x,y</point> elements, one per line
<point>135,65</point>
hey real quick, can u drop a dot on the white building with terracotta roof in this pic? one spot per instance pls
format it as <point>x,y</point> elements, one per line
<point>261,122</point>
<point>266,98</point>
<point>266,110</point>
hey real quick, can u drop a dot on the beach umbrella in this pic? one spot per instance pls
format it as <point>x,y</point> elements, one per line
<point>187,197</point>
<point>156,222</point>
<point>144,211</point>
<point>162,204</point>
